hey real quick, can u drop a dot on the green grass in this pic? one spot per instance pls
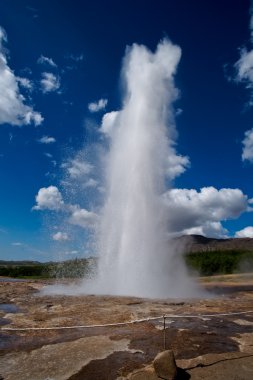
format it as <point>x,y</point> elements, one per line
<point>77,268</point>
<point>205,263</point>
<point>220,262</point>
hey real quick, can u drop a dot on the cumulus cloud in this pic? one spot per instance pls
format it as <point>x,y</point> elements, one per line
<point>246,232</point>
<point>32,117</point>
<point>201,212</point>
<point>83,218</point>
<point>47,140</point>
<point>247,151</point>
<point>49,82</point>
<point>25,82</point>
<point>13,107</point>
<point>109,122</point>
<point>97,106</point>
<point>210,229</point>
<point>42,60</point>
<point>49,198</point>
<point>60,236</point>
<point>176,164</point>
<point>78,168</point>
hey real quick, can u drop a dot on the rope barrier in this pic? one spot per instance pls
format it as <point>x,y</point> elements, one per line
<point>163,317</point>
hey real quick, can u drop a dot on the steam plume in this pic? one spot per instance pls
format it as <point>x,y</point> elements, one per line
<point>135,257</point>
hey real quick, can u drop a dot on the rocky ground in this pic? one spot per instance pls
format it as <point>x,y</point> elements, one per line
<point>207,347</point>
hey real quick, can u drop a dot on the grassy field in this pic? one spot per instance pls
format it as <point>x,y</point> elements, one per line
<point>68,269</point>
<point>220,262</point>
<point>207,263</point>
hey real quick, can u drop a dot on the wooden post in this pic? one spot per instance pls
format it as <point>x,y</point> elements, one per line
<point>164,332</point>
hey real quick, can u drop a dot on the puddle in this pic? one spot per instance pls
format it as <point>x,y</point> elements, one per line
<point>4,321</point>
<point>10,279</point>
<point>7,342</point>
<point>9,308</point>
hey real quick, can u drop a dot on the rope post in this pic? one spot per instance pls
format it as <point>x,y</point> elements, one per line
<point>164,332</point>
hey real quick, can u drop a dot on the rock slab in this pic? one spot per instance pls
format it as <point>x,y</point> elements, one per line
<point>165,365</point>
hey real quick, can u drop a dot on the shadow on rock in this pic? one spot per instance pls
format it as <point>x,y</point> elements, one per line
<point>182,374</point>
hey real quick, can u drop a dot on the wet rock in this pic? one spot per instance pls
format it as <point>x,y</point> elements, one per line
<point>147,373</point>
<point>165,365</point>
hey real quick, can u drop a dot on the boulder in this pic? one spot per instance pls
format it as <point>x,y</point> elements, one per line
<point>165,365</point>
<point>147,373</point>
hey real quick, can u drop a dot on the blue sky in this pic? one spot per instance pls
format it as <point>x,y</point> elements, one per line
<point>60,74</point>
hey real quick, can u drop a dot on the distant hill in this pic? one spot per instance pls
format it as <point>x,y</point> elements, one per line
<point>199,243</point>
<point>22,262</point>
<point>206,256</point>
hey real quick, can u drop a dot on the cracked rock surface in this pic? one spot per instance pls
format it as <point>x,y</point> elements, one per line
<point>218,347</point>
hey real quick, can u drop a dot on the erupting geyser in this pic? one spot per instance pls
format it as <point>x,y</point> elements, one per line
<point>135,256</point>
<point>132,236</point>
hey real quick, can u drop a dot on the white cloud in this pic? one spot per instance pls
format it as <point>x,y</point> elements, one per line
<point>49,82</point>
<point>246,232</point>
<point>45,60</point>
<point>176,164</point>
<point>98,106</point>
<point>247,151</point>
<point>33,117</point>
<point>83,218</point>
<point>190,211</point>
<point>79,173</point>
<point>109,122</point>
<point>25,82</point>
<point>49,198</point>
<point>47,140</point>
<point>244,67</point>
<point>13,109</point>
<point>78,168</point>
<point>17,244</point>
<point>60,236</point>
<point>210,229</point>
<point>244,74</point>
